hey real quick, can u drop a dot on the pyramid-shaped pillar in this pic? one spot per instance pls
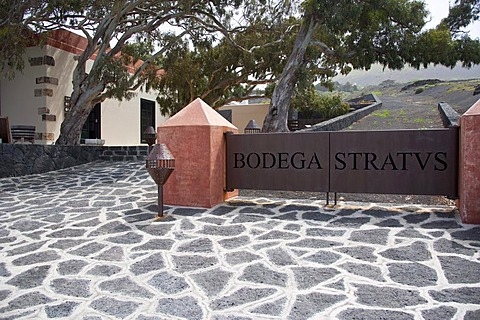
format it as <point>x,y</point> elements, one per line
<point>195,137</point>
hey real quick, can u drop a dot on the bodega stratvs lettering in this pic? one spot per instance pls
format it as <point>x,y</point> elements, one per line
<point>402,161</point>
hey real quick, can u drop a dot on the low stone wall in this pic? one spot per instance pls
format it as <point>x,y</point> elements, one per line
<point>450,117</point>
<point>344,121</point>
<point>24,159</point>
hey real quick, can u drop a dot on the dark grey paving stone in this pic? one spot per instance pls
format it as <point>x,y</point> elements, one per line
<point>359,252</point>
<point>113,307</point>
<point>308,277</point>
<point>280,235</point>
<point>37,257</point>
<point>266,244</point>
<point>317,216</point>
<point>88,249</point>
<point>25,301</point>
<point>241,296</point>
<point>307,305</point>
<point>71,287</point>
<point>459,295</point>
<point>151,263</point>
<point>436,234</point>
<point>197,245</point>
<point>193,262</point>
<point>71,267</point>
<point>364,270</point>
<point>66,233</point>
<point>187,212</point>
<point>291,216</point>
<point>186,225</point>
<point>66,244</point>
<point>440,313</point>
<point>212,282</point>
<point>314,243</point>
<point>389,223</point>
<point>470,234</point>
<point>25,225</point>
<point>104,270</point>
<point>226,231</point>
<point>212,220</point>
<point>417,251</point>
<point>61,310</point>
<point>168,283</point>
<point>239,257</point>
<point>8,240</point>
<point>35,235</point>
<point>415,218</point>
<point>109,228</point>
<point>247,218</point>
<point>296,207</point>
<point>448,246</point>
<point>111,254</point>
<point>387,297</point>
<point>125,286</point>
<point>412,274</point>
<point>274,308</point>
<point>31,278</point>
<point>143,317</point>
<point>292,227</point>
<point>339,285</point>
<point>4,294</point>
<point>472,315</point>
<point>441,224</point>
<point>56,218</point>
<point>260,211</point>
<point>323,257</point>
<point>268,225</point>
<point>411,233</point>
<point>259,273</point>
<point>155,244</point>
<point>143,217</point>
<point>89,223</point>
<point>374,236</point>
<point>322,232</point>
<point>350,222</point>
<point>369,314</point>
<point>222,210</point>
<point>459,270</point>
<point>185,307</point>
<point>4,271</point>
<point>127,238</point>
<point>280,257</point>
<point>380,213</point>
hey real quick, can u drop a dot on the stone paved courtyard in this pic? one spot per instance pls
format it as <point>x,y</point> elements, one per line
<point>82,243</point>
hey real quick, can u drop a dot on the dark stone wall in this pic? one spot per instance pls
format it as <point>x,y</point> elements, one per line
<point>25,159</point>
<point>344,121</point>
<point>450,117</point>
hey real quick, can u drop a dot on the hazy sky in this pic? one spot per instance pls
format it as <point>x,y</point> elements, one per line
<point>439,9</point>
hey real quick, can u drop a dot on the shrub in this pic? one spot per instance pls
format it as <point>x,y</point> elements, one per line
<point>325,106</point>
<point>419,90</point>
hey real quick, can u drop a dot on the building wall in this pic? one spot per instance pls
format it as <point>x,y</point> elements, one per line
<point>120,120</point>
<point>243,113</point>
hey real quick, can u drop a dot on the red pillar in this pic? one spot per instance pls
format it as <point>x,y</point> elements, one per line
<point>195,137</point>
<point>469,165</point>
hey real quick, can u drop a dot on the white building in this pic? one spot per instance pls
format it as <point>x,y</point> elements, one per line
<point>38,96</point>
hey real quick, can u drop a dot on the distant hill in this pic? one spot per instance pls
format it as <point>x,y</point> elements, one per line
<point>376,75</point>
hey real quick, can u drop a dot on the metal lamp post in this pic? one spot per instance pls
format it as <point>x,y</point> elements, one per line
<point>252,127</point>
<point>160,165</point>
<point>150,136</point>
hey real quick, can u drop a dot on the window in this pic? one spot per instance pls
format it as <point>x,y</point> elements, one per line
<point>147,116</point>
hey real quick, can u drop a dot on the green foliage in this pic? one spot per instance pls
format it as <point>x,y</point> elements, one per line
<point>419,90</point>
<point>381,114</point>
<point>462,14</point>
<point>324,106</point>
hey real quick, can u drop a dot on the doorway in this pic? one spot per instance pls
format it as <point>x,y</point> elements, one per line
<point>92,127</point>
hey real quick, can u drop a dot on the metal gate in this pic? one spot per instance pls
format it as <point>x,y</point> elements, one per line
<point>423,162</point>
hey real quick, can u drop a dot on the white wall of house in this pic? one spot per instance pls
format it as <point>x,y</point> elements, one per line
<point>243,113</point>
<point>120,120</point>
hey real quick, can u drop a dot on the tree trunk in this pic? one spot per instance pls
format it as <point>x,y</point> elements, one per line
<point>72,124</point>
<point>276,119</point>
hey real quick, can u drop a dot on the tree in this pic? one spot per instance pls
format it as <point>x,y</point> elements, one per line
<point>109,27</point>
<point>221,73</point>
<point>338,35</point>
<point>462,14</point>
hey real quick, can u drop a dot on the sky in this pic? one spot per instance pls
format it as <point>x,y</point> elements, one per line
<point>439,10</point>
